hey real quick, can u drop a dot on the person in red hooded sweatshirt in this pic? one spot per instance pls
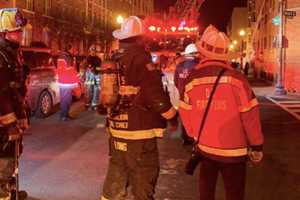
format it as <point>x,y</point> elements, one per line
<point>232,129</point>
<point>68,80</point>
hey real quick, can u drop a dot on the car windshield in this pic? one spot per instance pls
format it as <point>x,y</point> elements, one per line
<point>37,59</point>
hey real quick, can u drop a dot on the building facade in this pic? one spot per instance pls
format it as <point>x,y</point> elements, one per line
<point>265,42</point>
<point>74,24</point>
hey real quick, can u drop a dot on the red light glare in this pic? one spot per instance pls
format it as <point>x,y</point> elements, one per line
<point>152,28</point>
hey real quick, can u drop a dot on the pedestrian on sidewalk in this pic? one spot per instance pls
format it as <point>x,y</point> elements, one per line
<point>68,81</point>
<point>183,69</point>
<point>138,119</point>
<point>231,129</point>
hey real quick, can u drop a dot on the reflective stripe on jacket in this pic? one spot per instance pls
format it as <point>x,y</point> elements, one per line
<point>149,105</point>
<point>233,120</point>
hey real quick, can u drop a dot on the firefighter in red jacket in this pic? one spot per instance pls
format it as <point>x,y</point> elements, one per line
<point>137,120</point>
<point>68,81</point>
<point>13,115</point>
<point>232,131</point>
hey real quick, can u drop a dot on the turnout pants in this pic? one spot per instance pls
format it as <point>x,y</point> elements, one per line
<point>7,167</point>
<point>133,163</point>
<point>234,177</point>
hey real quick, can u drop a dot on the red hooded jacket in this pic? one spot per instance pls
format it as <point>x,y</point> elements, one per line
<point>67,75</point>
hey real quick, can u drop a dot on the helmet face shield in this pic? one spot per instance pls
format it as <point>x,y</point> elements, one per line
<point>11,19</point>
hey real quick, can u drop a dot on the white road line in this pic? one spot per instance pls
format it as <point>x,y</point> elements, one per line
<point>284,107</point>
<point>295,110</point>
<point>291,106</point>
<point>290,101</point>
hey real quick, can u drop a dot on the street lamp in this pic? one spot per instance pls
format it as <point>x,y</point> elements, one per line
<point>242,33</point>
<point>120,19</point>
<point>279,87</point>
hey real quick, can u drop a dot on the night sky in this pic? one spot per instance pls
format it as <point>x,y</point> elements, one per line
<point>163,5</point>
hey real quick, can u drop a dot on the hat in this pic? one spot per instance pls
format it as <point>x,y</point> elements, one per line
<point>190,49</point>
<point>11,20</point>
<point>214,44</point>
<point>67,57</point>
<point>131,27</point>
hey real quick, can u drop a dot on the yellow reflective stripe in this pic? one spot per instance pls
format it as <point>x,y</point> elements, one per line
<point>128,90</point>
<point>4,198</point>
<point>184,105</point>
<point>249,106</point>
<point>224,152</point>
<point>206,80</point>
<point>169,114</point>
<point>103,198</point>
<point>137,135</point>
<point>8,118</point>
<point>121,146</point>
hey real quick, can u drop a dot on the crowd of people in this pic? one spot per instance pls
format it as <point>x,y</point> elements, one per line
<point>218,109</point>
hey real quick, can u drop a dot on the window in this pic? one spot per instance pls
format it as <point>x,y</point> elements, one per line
<point>48,6</point>
<point>265,42</point>
<point>30,5</point>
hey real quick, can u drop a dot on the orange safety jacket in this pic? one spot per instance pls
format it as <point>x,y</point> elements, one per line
<point>233,123</point>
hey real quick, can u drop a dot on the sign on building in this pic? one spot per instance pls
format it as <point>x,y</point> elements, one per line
<point>290,14</point>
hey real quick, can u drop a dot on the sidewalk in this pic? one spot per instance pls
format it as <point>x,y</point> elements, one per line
<point>289,102</point>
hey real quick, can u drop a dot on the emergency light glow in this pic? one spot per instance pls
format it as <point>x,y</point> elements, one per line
<point>152,28</point>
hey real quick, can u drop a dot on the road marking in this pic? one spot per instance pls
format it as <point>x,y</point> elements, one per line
<point>291,106</point>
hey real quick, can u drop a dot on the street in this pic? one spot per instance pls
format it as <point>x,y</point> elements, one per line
<point>68,160</point>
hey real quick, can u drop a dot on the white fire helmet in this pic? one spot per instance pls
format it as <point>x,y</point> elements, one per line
<point>190,50</point>
<point>11,20</point>
<point>214,44</point>
<point>131,27</point>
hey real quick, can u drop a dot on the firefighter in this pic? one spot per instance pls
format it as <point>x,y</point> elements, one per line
<point>183,69</point>
<point>93,76</point>
<point>13,116</point>
<point>137,120</point>
<point>232,125</point>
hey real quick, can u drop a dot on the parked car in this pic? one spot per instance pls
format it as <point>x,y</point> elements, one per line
<point>43,90</point>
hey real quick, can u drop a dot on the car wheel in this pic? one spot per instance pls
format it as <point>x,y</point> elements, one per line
<point>45,105</point>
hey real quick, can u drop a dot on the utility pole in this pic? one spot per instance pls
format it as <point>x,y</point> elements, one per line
<point>279,88</point>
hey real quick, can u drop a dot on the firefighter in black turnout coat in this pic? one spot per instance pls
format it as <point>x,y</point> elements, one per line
<point>137,120</point>
<point>13,116</point>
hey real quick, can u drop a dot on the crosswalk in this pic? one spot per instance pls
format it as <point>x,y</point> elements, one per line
<point>290,105</point>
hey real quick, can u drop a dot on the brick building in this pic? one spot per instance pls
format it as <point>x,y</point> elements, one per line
<point>79,23</point>
<point>265,43</point>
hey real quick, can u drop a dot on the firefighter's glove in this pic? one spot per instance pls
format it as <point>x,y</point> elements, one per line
<point>173,124</point>
<point>14,132</point>
<point>23,124</point>
<point>256,156</point>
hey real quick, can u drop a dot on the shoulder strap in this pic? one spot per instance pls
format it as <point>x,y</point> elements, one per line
<point>209,103</point>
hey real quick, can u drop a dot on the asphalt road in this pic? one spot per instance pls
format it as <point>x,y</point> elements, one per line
<point>68,160</point>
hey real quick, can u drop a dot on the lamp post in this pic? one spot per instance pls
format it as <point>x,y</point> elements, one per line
<point>242,33</point>
<point>279,88</point>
